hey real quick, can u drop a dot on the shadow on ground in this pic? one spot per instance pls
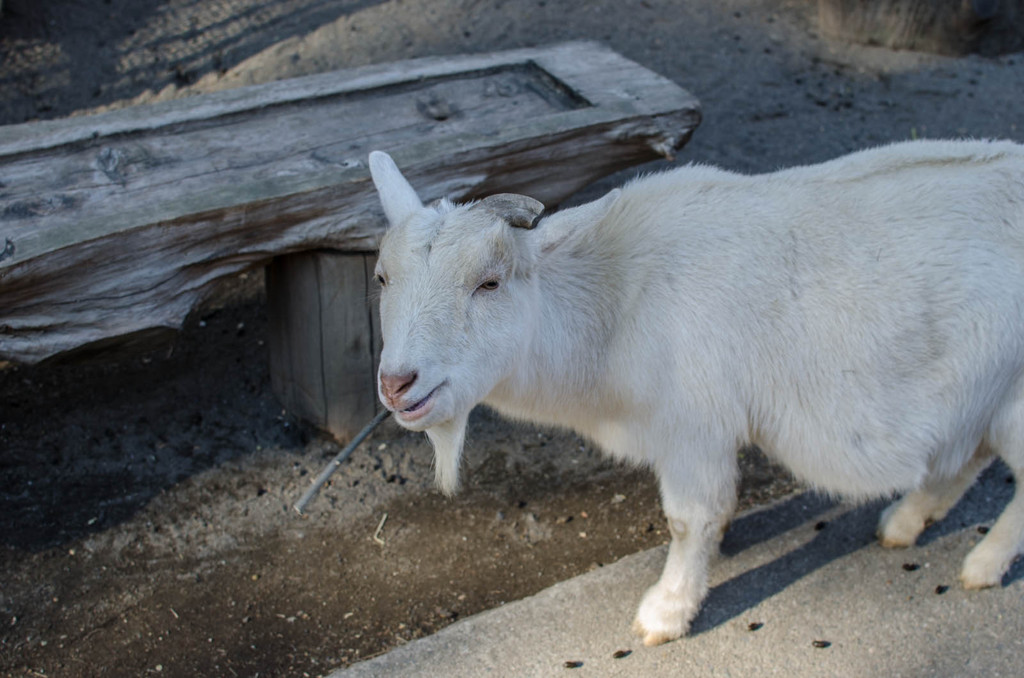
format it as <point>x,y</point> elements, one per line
<point>48,46</point>
<point>838,537</point>
<point>83,448</point>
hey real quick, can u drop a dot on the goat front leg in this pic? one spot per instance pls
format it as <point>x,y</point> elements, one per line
<point>697,520</point>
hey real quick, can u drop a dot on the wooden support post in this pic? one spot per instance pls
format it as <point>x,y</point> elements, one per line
<point>324,338</point>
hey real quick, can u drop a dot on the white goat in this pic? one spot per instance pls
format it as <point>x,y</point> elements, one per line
<point>861,320</point>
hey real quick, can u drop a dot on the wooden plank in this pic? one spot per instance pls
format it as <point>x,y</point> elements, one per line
<point>117,223</point>
<point>221,164</point>
<point>323,338</point>
<point>295,335</point>
<point>348,369</point>
<point>378,334</point>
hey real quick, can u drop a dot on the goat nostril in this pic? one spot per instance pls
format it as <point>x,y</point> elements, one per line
<point>396,384</point>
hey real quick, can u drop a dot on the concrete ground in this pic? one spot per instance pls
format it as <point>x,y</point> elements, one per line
<point>801,588</point>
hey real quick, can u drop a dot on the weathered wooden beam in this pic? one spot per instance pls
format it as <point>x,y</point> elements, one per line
<point>114,224</point>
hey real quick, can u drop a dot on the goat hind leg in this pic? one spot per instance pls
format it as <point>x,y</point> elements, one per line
<point>987,562</point>
<point>903,521</point>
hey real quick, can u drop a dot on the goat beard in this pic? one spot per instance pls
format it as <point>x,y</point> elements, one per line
<point>448,438</point>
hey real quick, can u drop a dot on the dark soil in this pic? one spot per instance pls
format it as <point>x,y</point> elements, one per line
<point>146,520</point>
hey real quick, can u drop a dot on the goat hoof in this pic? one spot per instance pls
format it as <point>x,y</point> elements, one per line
<point>898,528</point>
<point>889,542</point>
<point>975,581</point>
<point>662,617</point>
<point>983,569</point>
<point>652,638</point>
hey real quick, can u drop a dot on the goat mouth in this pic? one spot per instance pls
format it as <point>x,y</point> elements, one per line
<point>420,408</point>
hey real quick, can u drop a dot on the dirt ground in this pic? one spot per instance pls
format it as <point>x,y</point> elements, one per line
<point>147,527</point>
<point>145,520</point>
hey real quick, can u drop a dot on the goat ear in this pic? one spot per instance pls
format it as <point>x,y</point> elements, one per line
<point>519,211</point>
<point>560,225</point>
<point>397,196</point>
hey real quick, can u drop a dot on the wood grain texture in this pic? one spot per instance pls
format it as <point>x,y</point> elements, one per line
<point>324,338</point>
<point>115,224</point>
<point>349,342</point>
<point>295,338</point>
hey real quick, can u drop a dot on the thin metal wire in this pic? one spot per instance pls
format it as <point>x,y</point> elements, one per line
<point>333,465</point>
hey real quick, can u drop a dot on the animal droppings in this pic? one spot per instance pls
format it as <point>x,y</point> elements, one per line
<point>910,567</point>
<point>940,589</point>
<point>821,644</point>
<point>619,654</point>
<point>754,626</point>
<point>572,664</point>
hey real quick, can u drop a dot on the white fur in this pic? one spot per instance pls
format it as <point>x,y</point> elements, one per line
<point>862,320</point>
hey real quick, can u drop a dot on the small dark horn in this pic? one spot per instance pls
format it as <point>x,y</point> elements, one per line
<point>519,211</point>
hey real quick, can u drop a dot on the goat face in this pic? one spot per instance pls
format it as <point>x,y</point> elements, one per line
<point>456,289</point>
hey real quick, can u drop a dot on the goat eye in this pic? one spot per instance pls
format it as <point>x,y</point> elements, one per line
<point>380,280</point>
<point>489,285</point>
